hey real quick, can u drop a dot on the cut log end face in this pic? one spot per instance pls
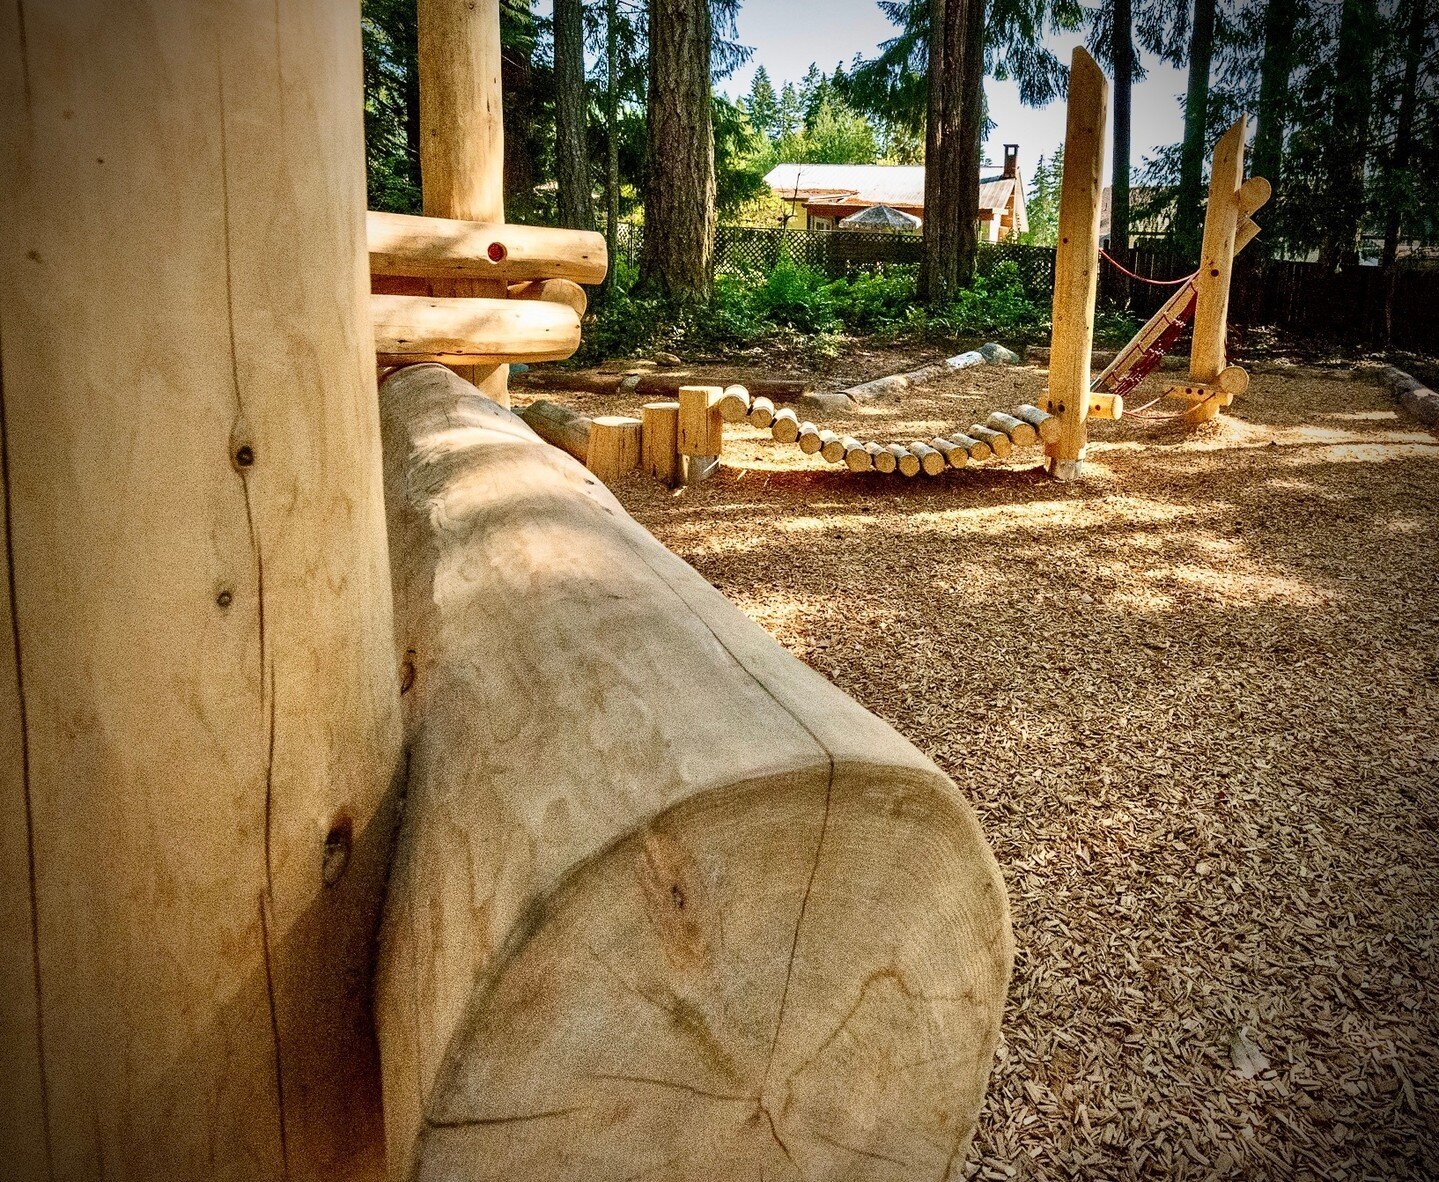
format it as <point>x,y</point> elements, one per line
<point>705,1000</point>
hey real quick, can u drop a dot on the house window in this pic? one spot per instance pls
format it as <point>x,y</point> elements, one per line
<point>821,223</point>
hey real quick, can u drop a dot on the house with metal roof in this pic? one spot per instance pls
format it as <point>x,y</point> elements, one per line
<point>828,196</point>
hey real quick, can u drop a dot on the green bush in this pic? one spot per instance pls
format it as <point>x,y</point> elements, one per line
<point>996,305</point>
<point>796,301</point>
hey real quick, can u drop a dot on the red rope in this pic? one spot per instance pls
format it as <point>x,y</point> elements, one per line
<point>1118,266</point>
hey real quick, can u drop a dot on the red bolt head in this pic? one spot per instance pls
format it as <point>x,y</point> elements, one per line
<point>497,252</point>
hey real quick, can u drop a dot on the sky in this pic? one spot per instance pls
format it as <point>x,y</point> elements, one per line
<point>787,35</point>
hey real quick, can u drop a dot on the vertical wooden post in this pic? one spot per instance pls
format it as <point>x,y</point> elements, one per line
<point>1076,264</point>
<point>462,138</point>
<point>701,431</point>
<point>1207,357</point>
<point>660,441</point>
<point>198,692</point>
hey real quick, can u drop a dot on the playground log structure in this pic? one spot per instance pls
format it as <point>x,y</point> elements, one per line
<point>1075,397</point>
<point>380,800</point>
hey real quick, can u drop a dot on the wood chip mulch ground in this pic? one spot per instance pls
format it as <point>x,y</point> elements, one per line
<point>1195,702</point>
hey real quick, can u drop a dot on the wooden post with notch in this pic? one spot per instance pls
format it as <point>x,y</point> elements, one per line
<point>462,140</point>
<point>1207,357</point>
<point>1076,264</point>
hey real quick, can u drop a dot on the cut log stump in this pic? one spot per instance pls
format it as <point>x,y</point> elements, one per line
<point>664,899</point>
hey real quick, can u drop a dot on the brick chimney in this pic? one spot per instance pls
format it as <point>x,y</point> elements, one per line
<point>1011,160</point>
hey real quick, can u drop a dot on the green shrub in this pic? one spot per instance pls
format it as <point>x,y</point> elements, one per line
<point>996,305</point>
<point>875,301</point>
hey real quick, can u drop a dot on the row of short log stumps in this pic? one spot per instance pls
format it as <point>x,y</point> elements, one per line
<point>680,442</point>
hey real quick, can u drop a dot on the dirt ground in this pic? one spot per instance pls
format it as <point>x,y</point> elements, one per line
<point>1195,701</point>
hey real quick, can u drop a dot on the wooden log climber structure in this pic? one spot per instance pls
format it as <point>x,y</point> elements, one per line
<point>379,800</point>
<point>1074,397</point>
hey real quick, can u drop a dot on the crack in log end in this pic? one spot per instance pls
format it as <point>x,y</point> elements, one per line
<point>684,1016</point>
<point>799,922</point>
<point>653,1082</point>
<point>871,1154</point>
<point>674,901</point>
<point>778,1140</point>
<point>480,1122</point>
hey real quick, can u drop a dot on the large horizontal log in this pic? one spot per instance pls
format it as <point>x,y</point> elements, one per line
<point>412,329</point>
<point>664,901</point>
<point>444,248</point>
<point>560,427</point>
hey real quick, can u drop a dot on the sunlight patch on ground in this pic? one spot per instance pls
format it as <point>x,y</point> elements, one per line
<point>1234,587</point>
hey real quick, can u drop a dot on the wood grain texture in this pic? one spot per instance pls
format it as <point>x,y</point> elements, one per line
<point>1207,357</point>
<point>660,441</point>
<point>1076,264</point>
<point>205,694</point>
<point>462,138</point>
<point>470,331</point>
<point>614,450</point>
<point>449,248</point>
<point>666,904</point>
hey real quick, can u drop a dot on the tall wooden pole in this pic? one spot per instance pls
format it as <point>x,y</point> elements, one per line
<point>1076,264</point>
<point>1216,265</point>
<point>462,137</point>
<point>198,693</point>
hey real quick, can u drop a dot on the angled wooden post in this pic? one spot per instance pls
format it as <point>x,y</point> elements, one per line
<point>1076,264</point>
<point>1207,357</point>
<point>462,139</point>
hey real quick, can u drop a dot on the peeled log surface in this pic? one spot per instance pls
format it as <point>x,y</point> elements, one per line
<point>856,457</point>
<point>554,291</point>
<point>1021,432</point>
<point>977,448</point>
<point>200,779</point>
<point>997,441</point>
<point>446,248</point>
<point>663,902</point>
<point>931,460</point>
<point>785,427</point>
<point>614,450</point>
<point>474,331</point>
<point>955,455</point>
<point>1045,425</point>
<point>560,426</point>
<point>734,404</point>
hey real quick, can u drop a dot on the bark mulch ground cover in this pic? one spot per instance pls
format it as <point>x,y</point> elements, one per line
<point>1195,701</point>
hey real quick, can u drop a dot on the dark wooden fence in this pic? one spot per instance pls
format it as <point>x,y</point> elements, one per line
<point>1299,299</point>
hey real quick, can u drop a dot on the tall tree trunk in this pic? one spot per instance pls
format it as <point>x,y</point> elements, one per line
<point>1280,20</point>
<point>572,157</point>
<point>971,135</point>
<point>951,150</point>
<point>1348,146</point>
<point>411,52</point>
<point>612,135</point>
<point>1399,161</point>
<point>678,256</point>
<point>521,112</point>
<point>1123,105</point>
<point>1188,222</point>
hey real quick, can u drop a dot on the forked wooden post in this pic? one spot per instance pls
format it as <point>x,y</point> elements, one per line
<point>1076,264</point>
<point>1207,357</point>
<point>462,139</point>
